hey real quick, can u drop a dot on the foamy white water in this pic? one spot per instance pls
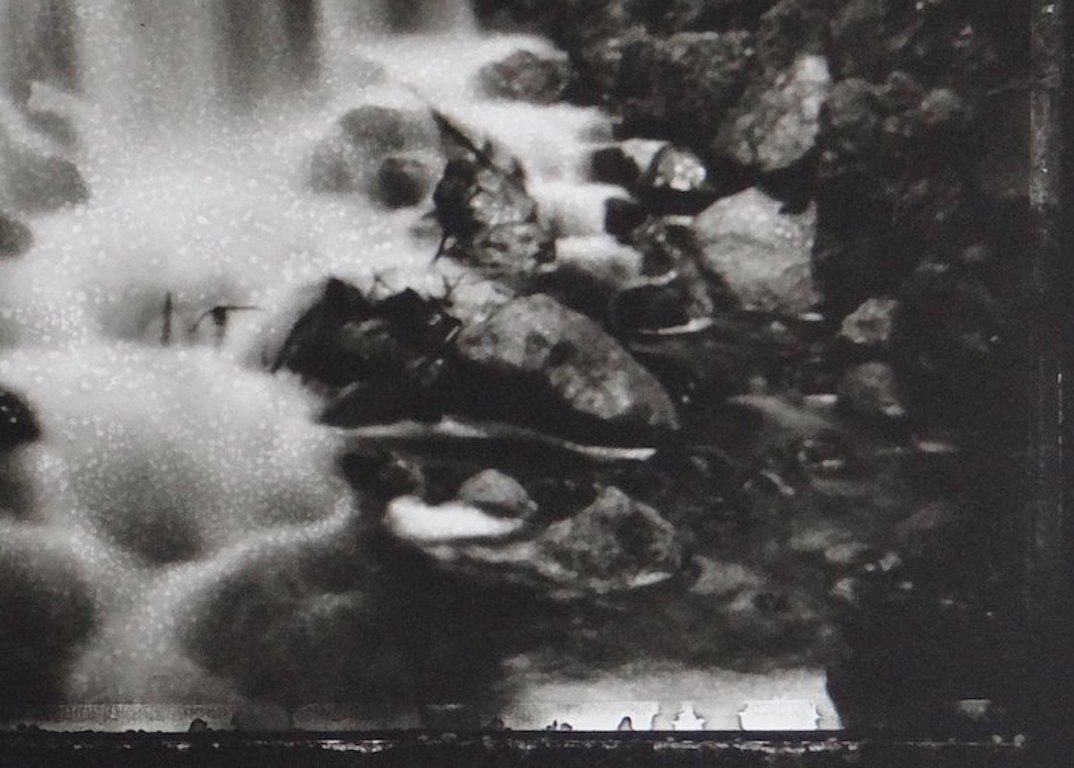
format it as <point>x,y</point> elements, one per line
<point>163,468</point>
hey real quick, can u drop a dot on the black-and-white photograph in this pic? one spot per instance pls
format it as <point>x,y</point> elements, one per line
<point>539,365</point>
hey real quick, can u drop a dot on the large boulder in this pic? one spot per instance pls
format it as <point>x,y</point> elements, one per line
<point>777,123</point>
<point>525,76</point>
<point>15,237</point>
<point>47,612</point>
<point>388,351</point>
<point>894,184</point>
<point>762,254</point>
<point>616,544</point>
<point>485,211</point>
<point>612,548</point>
<point>682,86</point>
<point>403,181</point>
<point>542,363</point>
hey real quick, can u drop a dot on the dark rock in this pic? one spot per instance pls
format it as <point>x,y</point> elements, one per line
<point>15,237</point>
<point>380,130</point>
<point>893,185</point>
<point>473,195</point>
<point>762,254</point>
<point>500,494</point>
<point>18,425</point>
<point>403,181</point>
<point>545,363</point>
<point>525,76</point>
<point>616,544</point>
<point>955,349</point>
<point>588,273</point>
<point>777,122</point>
<point>485,211</point>
<point>669,16</point>
<point>869,327</point>
<point>599,65</point>
<point>509,253</point>
<point>682,86</point>
<point>198,725</point>
<point>793,28</point>
<point>871,392</point>
<point>384,476</point>
<point>392,343</point>
<point>912,641</point>
<point>622,216</point>
<point>624,162</point>
<point>676,183</point>
<point>54,125</point>
<point>40,183</point>
<point>47,611</point>
<point>938,42</point>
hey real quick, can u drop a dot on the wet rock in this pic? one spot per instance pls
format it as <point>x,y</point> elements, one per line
<point>938,42</point>
<point>777,123</point>
<point>474,195</point>
<point>485,211</point>
<point>588,273</point>
<point>380,130</point>
<point>510,252</point>
<point>623,163</point>
<point>391,344</point>
<point>525,76</point>
<point>790,29</point>
<point>871,392</point>
<point>681,86</point>
<point>685,15</point>
<point>15,237</point>
<point>18,424</point>
<point>893,185</point>
<point>676,183</point>
<point>616,544</point>
<point>403,181</point>
<point>42,183</point>
<point>47,611</point>
<point>544,363</point>
<point>54,125</point>
<point>599,63</point>
<point>497,493</point>
<point>869,327</point>
<point>384,476</point>
<point>762,254</point>
<point>622,216</point>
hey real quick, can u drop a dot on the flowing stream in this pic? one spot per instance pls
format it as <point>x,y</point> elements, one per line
<point>195,121</point>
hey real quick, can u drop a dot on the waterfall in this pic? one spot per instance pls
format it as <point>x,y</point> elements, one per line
<point>152,62</point>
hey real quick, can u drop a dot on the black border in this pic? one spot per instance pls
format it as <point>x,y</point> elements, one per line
<point>1048,588</point>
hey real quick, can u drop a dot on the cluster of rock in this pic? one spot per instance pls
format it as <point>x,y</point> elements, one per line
<point>845,181</point>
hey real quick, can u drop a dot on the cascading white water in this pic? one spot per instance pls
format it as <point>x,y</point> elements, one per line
<point>162,468</point>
